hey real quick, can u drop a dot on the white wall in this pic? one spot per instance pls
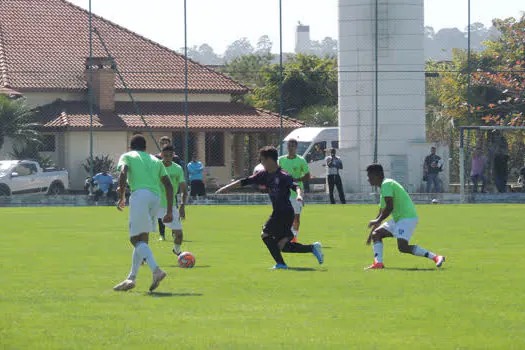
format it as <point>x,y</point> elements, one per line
<point>77,150</point>
<point>401,85</point>
<point>35,99</point>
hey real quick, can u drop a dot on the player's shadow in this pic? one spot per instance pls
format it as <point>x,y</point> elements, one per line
<point>301,269</point>
<point>167,294</point>
<point>411,269</point>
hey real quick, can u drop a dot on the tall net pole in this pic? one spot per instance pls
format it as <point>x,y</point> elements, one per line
<point>186,133</point>
<point>90,97</point>
<point>281,106</point>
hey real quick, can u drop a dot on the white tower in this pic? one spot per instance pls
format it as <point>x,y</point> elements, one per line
<point>302,39</point>
<point>383,36</point>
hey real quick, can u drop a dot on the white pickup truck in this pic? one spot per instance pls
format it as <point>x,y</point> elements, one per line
<point>25,176</point>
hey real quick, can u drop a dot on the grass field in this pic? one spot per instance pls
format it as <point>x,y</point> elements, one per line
<point>58,267</point>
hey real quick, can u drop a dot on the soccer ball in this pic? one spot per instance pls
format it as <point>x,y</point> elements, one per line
<point>186,260</point>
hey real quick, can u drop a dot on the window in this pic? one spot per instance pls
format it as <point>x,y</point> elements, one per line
<point>178,144</point>
<point>48,144</point>
<point>335,144</point>
<point>214,149</point>
<point>23,170</point>
<point>317,152</point>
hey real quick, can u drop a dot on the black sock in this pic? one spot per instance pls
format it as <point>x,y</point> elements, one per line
<point>162,227</point>
<point>291,247</point>
<point>272,246</point>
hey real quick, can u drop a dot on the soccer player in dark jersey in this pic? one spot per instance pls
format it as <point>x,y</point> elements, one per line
<point>277,233</point>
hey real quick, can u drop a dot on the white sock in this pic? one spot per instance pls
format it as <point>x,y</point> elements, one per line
<point>295,232</point>
<point>378,252</point>
<point>422,252</point>
<point>135,265</point>
<point>145,253</point>
<point>177,248</point>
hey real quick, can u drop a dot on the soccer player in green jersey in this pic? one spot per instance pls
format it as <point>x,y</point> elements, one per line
<point>297,167</point>
<point>144,173</point>
<point>176,175</point>
<point>396,201</point>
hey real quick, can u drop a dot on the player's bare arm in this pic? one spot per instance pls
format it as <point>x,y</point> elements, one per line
<point>233,185</point>
<point>184,192</point>
<point>385,213</point>
<point>121,190</point>
<point>169,197</point>
<point>305,178</point>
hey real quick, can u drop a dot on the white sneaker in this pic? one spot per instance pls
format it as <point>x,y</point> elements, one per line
<point>158,276</point>
<point>125,285</point>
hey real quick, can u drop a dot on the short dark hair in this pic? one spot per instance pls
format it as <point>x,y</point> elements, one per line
<point>168,148</point>
<point>269,152</point>
<point>375,169</point>
<point>164,139</point>
<point>138,143</point>
<point>293,141</point>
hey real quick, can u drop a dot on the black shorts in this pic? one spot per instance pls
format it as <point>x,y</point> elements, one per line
<point>279,225</point>
<point>197,188</point>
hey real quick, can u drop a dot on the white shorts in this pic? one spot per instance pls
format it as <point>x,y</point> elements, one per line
<point>403,229</point>
<point>175,224</point>
<point>143,208</point>
<point>297,205</point>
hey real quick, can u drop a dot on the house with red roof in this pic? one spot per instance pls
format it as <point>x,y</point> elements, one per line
<point>44,57</point>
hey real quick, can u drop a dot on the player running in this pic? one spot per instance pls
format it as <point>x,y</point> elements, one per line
<point>396,201</point>
<point>176,175</point>
<point>144,173</point>
<point>297,167</point>
<point>276,233</point>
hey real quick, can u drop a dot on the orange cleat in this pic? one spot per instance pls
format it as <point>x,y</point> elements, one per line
<point>375,266</point>
<point>439,260</point>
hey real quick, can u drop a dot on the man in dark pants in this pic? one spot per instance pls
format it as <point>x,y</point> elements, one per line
<point>334,164</point>
<point>277,232</point>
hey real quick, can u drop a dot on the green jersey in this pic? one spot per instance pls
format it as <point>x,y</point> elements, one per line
<point>144,170</point>
<point>403,206</point>
<point>296,167</point>
<point>176,175</point>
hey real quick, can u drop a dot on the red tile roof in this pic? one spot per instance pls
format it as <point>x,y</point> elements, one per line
<point>163,115</point>
<point>44,45</point>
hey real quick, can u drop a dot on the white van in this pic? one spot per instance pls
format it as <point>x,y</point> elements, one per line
<point>312,144</point>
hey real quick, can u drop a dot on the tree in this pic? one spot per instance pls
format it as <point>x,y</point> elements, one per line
<point>307,80</point>
<point>100,164</point>
<point>319,115</point>
<point>17,122</point>
<point>241,47</point>
<point>248,69</point>
<point>203,54</point>
<point>30,151</point>
<point>264,45</point>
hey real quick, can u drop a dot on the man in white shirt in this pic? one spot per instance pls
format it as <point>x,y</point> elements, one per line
<point>333,165</point>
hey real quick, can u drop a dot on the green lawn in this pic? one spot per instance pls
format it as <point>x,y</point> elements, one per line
<point>58,267</point>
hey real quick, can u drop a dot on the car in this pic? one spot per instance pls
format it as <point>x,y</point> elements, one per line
<point>27,176</point>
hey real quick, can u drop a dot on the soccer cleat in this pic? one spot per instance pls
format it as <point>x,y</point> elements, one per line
<point>294,240</point>
<point>318,252</point>
<point>174,252</point>
<point>439,260</point>
<point>375,266</point>
<point>162,238</point>
<point>279,267</point>
<point>125,285</point>
<point>158,276</point>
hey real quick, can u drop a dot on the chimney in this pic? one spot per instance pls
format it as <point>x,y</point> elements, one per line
<point>103,75</point>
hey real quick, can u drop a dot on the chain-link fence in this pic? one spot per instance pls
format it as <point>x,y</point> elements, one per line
<point>390,85</point>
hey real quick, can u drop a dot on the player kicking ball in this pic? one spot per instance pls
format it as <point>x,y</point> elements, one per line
<point>176,175</point>
<point>277,231</point>
<point>144,173</point>
<point>396,201</point>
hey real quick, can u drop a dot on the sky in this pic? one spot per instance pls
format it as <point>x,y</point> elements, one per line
<point>219,23</point>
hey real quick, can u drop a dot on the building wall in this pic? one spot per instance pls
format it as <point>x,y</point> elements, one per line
<point>35,99</point>
<point>77,150</point>
<point>400,90</point>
